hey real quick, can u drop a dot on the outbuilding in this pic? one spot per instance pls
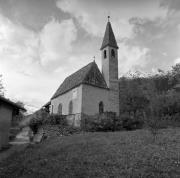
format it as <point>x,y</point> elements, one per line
<point>8,110</point>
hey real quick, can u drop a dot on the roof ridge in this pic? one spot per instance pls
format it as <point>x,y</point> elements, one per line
<point>73,80</point>
<point>78,70</point>
<point>77,78</point>
<point>88,70</point>
<point>7,100</point>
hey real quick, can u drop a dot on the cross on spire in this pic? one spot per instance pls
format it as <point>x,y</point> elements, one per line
<point>108,18</point>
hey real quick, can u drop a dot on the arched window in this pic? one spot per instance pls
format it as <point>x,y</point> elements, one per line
<point>60,109</point>
<point>105,55</point>
<point>70,107</point>
<point>112,53</point>
<point>101,107</point>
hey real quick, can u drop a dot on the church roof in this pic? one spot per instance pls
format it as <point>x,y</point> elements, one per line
<point>109,38</point>
<point>89,74</point>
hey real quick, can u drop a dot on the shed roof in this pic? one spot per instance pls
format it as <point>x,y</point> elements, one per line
<point>9,102</point>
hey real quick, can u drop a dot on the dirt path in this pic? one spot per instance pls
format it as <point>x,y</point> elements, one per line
<point>18,144</point>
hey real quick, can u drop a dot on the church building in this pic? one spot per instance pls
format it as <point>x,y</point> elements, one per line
<point>89,91</point>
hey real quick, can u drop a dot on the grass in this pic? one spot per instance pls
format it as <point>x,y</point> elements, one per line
<point>111,154</point>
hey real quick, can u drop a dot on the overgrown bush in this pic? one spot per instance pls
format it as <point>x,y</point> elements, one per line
<point>131,123</point>
<point>37,120</point>
<point>101,122</point>
<point>55,119</point>
<point>35,124</point>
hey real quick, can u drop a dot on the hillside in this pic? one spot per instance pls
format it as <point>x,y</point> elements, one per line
<point>111,154</point>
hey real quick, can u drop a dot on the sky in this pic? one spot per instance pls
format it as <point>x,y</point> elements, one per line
<point>44,41</point>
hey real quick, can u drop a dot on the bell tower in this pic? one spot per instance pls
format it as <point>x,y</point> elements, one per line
<point>109,55</point>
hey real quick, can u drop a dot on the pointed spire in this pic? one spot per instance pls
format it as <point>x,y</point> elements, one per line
<point>109,38</point>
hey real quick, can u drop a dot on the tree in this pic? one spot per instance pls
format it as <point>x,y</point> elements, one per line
<point>132,96</point>
<point>20,103</point>
<point>174,75</point>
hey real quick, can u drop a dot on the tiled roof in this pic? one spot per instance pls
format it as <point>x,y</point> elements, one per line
<point>79,77</point>
<point>109,38</point>
<point>7,101</point>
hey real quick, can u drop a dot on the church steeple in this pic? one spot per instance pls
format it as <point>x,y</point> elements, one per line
<point>109,38</point>
<point>109,56</point>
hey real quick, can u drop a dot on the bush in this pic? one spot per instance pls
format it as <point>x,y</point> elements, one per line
<point>131,123</point>
<point>35,123</point>
<point>101,122</point>
<point>55,119</point>
<point>59,130</point>
<point>118,124</point>
<point>37,120</point>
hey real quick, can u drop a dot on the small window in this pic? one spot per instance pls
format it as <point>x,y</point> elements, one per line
<point>105,55</point>
<point>60,109</point>
<point>101,107</point>
<point>112,53</point>
<point>70,107</point>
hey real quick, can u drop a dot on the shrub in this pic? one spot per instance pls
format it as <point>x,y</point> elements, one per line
<point>89,123</point>
<point>101,122</point>
<point>118,124</point>
<point>131,123</point>
<point>37,120</point>
<point>55,119</point>
<point>35,123</point>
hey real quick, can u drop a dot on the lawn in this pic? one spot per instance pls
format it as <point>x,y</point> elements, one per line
<point>110,154</point>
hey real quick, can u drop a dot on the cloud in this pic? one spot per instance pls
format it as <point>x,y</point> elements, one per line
<point>131,58</point>
<point>161,36</point>
<point>172,5</point>
<point>81,13</point>
<point>92,14</point>
<point>90,17</point>
<point>22,53</point>
<point>176,61</point>
<point>56,40</point>
<point>18,45</point>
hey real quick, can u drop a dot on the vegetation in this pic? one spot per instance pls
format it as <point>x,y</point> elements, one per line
<point>99,122</point>
<point>154,100</point>
<point>102,154</point>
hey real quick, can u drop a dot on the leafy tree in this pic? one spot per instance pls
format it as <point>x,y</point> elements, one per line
<point>174,75</point>
<point>20,103</point>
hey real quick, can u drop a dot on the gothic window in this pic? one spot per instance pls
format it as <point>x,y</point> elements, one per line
<point>70,107</point>
<point>105,55</point>
<point>60,109</point>
<point>112,53</point>
<point>101,107</point>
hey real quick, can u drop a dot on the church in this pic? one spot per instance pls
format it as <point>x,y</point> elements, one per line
<point>91,91</point>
